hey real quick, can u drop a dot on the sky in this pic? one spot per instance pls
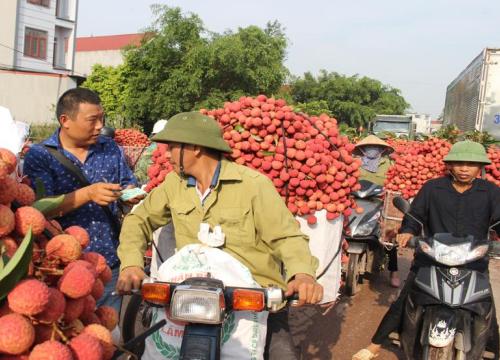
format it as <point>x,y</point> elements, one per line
<point>418,47</point>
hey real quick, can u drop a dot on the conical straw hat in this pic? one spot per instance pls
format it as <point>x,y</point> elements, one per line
<point>372,140</point>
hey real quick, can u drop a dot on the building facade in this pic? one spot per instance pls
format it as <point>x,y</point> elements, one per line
<point>37,47</point>
<point>104,50</point>
<point>423,123</point>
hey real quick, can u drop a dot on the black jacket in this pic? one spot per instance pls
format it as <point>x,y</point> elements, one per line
<point>442,209</point>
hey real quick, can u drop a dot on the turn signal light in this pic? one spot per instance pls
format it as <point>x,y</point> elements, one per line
<point>156,293</point>
<point>249,300</point>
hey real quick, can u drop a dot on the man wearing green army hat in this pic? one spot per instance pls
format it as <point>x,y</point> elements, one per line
<point>459,203</point>
<point>204,187</point>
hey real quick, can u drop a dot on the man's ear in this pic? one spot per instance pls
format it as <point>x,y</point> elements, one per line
<point>197,150</point>
<point>63,121</point>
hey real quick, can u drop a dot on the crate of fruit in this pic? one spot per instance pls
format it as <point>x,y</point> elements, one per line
<point>132,154</point>
<point>390,211</point>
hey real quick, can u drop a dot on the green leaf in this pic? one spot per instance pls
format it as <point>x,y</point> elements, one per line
<point>39,188</point>
<point>256,137</point>
<point>17,267</point>
<point>268,153</point>
<point>239,128</point>
<point>46,205</point>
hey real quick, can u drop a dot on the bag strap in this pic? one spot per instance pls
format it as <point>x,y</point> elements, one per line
<point>74,170</point>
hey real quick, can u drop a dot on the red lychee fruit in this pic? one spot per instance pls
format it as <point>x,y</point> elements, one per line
<point>16,334</point>
<point>77,282</point>
<point>51,349</point>
<point>97,259</point>
<point>10,245</point>
<point>86,347</point>
<point>104,336</point>
<point>55,308</point>
<point>27,217</point>
<point>89,305</point>
<point>8,162</point>
<point>106,275</point>
<point>83,263</point>
<point>74,309</point>
<point>25,195</point>
<point>97,289</point>
<point>29,297</point>
<point>108,316</point>
<point>64,247</point>
<point>45,332</point>
<point>89,319</point>
<point>80,234</point>
<point>8,190</point>
<point>7,220</point>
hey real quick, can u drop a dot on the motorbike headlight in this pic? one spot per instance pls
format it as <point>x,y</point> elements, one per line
<point>454,255</point>
<point>367,227</point>
<point>191,304</point>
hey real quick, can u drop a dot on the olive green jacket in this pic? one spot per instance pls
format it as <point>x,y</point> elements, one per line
<point>260,230</point>
<point>379,176</point>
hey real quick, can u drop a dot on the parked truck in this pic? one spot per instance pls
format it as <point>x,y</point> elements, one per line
<point>473,98</point>
<point>400,125</point>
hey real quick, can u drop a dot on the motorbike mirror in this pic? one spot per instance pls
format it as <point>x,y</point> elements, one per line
<point>108,131</point>
<point>401,204</point>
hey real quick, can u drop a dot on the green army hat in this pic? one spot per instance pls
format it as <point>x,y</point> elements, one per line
<point>469,151</point>
<point>193,128</point>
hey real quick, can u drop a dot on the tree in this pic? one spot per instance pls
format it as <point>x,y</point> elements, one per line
<point>110,84</point>
<point>180,66</point>
<point>350,99</point>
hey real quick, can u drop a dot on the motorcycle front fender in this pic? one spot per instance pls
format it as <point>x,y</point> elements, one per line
<point>201,341</point>
<point>438,327</point>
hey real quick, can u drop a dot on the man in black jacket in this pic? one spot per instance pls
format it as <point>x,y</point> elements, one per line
<point>460,204</point>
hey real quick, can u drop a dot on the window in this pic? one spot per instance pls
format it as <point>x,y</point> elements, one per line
<point>45,3</point>
<point>35,43</point>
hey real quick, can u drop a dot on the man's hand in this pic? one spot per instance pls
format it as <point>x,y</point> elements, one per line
<point>130,278</point>
<point>403,239</point>
<point>310,292</point>
<point>134,201</point>
<point>103,193</point>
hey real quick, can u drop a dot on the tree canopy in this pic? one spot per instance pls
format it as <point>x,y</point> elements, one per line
<point>181,66</point>
<point>351,99</point>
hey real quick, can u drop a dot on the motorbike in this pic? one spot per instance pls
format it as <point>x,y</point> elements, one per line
<point>203,305</point>
<point>201,309</point>
<point>366,251</point>
<point>449,306</point>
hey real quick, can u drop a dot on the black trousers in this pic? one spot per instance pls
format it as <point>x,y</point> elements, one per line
<point>279,343</point>
<point>392,317</point>
<point>393,259</point>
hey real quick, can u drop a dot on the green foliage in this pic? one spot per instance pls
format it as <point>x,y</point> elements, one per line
<point>350,99</point>
<point>111,85</point>
<point>453,134</point>
<point>181,66</point>
<point>40,132</point>
<point>13,270</point>
<point>314,108</point>
<point>46,205</point>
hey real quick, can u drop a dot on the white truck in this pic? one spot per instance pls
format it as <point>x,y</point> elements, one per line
<point>473,98</point>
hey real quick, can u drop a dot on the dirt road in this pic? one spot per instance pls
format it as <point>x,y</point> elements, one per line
<point>350,325</point>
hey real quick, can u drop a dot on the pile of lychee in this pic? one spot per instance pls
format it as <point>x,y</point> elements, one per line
<point>51,313</point>
<point>307,159</point>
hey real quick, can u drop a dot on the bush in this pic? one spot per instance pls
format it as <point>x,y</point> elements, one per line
<point>40,132</point>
